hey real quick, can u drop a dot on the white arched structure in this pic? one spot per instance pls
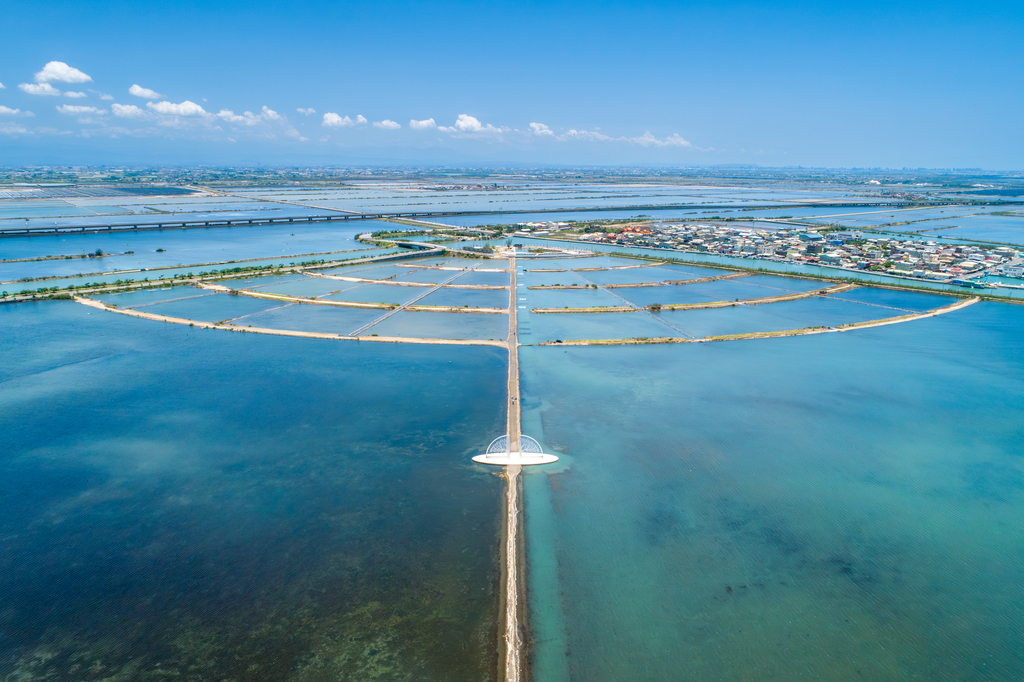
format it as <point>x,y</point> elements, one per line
<point>500,452</point>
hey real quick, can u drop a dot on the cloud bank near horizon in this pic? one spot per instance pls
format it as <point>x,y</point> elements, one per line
<point>189,119</point>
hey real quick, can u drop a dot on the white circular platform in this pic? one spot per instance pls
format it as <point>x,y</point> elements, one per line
<point>499,453</point>
<point>525,459</point>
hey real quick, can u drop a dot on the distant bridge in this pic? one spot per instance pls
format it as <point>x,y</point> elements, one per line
<point>164,224</point>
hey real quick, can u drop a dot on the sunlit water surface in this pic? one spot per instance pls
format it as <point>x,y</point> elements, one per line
<point>832,507</point>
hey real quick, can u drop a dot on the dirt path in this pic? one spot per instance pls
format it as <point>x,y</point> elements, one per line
<point>285,332</point>
<point>512,639</point>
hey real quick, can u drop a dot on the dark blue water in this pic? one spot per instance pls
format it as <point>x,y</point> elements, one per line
<point>205,505</point>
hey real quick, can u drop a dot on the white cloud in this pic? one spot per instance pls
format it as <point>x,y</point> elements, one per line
<point>7,111</point>
<point>332,120</point>
<point>247,117</point>
<point>270,114</point>
<point>39,89</point>
<point>2,86</point>
<point>387,125</point>
<point>144,93</point>
<point>128,111</point>
<point>422,125</point>
<point>307,112</point>
<point>649,140</point>
<point>586,135</point>
<point>59,72</point>
<point>75,95</point>
<point>468,124</point>
<point>674,140</point>
<point>540,129</point>
<point>471,125</point>
<point>645,140</point>
<point>77,110</point>
<point>360,118</point>
<point>186,108</point>
<point>100,94</point>
<point>12,129</point>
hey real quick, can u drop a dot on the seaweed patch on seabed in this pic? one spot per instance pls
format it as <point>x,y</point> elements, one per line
<point>370,642</point>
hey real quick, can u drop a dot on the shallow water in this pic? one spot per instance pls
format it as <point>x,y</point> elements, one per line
<point>490,278</point>
<point>309,287</point>
<point>207,505</point>
<point>703,292</point>
<point>830,507</point>
<point>474,298</point>
<point>541,327</point>
<point>217,308</point>
<point>635,275</point>
<point>901,300</point>
<point>131,299</point>
<point>305,317</point>
<point>376,293</point>
<point>181,247</point>
<point>799,314</point>
<point>477,326</point>
<point>430,325</point>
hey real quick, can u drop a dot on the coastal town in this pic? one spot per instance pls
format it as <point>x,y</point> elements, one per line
<point>955,263</point>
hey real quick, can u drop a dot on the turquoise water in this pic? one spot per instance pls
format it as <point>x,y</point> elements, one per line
<point>204,505</point>
<point>831,507</point>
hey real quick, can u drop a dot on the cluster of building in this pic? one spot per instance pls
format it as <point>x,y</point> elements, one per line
<point>539,229</point>
<point>844,249</point>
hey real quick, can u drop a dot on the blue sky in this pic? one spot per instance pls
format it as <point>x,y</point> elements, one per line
<point>780,84</point>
